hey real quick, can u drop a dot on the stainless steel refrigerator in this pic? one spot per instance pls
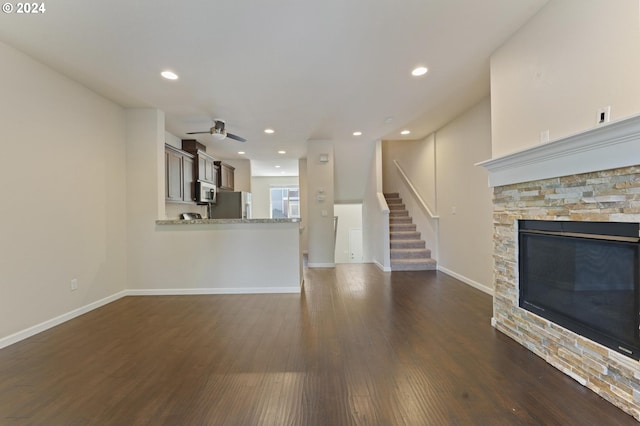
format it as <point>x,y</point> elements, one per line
<point>232,205</point>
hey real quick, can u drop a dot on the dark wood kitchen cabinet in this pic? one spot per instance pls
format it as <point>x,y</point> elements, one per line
<point>226,176</point>
<point>179,175</point>
<point>188,182</point>
<point>205,167</point>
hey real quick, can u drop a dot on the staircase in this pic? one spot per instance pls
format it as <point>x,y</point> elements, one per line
<point>408,252</point>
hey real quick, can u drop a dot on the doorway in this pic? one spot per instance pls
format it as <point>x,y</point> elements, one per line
<point>348,241</point>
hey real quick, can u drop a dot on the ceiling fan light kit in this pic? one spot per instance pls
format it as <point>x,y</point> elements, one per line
<point>219,133</point>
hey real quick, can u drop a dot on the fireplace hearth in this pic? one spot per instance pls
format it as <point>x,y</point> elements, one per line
<point>583,276</point>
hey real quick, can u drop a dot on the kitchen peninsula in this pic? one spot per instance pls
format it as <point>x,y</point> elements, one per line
<point>222,221</point>
<point>230,256</point>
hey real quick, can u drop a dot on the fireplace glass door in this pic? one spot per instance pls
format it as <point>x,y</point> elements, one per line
<point>582,279</point>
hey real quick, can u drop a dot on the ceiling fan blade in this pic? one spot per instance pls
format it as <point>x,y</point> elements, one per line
<point>199,133</point>
<point>236,137</point>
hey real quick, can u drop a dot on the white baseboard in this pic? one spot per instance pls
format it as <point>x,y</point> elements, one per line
<point>466,280</point>
<point>321,265</point>
<point>202,291</point>
<point>43,326</point>
<point>382,268</point>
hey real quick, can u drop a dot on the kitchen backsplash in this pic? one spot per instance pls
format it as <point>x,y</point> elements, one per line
<point>173,210</point>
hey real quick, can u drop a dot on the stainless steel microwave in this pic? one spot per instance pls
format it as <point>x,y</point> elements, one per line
<point>206,193</point>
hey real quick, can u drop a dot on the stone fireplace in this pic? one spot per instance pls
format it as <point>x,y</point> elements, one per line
<point>593,176</point>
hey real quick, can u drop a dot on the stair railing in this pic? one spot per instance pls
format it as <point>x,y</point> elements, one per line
<point>414,191</point>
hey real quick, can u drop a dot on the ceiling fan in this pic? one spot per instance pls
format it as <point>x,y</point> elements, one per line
<point>218,132</point>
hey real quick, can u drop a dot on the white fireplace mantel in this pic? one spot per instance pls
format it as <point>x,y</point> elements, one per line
<point>616,144</point>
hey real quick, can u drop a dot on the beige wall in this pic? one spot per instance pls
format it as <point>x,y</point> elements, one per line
<point>320,181</point>
<point>375,223</point>
<point>304,205</point>
<point>418,161</point>
<point>352,158</point>
<point>190,259</point>
<point>464,198</point>
<point>572,58</point>
<point>441,168</point>
<point>62,176</point>
<point>241,174</point>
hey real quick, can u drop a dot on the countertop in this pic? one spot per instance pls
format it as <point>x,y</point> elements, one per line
<point>222,221</point>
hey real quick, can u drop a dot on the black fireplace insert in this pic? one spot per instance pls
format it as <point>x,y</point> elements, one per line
<point>584,276</point>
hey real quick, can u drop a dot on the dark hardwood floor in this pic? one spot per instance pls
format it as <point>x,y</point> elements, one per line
<point>357,347</point>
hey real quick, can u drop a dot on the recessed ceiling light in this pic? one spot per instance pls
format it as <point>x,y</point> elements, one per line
<point>417,72</point>
<point>169,75</point>
<point>282,152</point>
<point>405,132</point>
<point>269,131</point>
<point>357,133</point>
<point>241,152</point>
<point>277,167</point>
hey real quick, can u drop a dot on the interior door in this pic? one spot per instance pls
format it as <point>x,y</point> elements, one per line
<point>355,245</point>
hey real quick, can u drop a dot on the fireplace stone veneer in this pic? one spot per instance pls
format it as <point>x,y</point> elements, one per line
<point>609,195</point>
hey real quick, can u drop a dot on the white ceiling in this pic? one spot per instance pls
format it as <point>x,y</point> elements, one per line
<point>308,69</point>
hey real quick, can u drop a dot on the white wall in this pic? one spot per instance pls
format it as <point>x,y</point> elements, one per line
<point>62,176</point>
<point>572,58</point>
<point>261,194</point>
<point>349,217</point>
<point>320,213</point>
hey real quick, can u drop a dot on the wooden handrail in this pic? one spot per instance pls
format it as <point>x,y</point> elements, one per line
<point>415,192</point>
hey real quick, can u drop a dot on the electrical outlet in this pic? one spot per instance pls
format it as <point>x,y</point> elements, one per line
<point>544,136</point>
<point>454,210</point>
<point>604,115</point>
<point>74,284</point>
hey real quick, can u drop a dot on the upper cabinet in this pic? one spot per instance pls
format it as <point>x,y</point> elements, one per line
<point>205,167</point>
<point>226,176</point>
<point>179,186</point>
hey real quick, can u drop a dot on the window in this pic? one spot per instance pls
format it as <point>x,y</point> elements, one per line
<point>285,202</point>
